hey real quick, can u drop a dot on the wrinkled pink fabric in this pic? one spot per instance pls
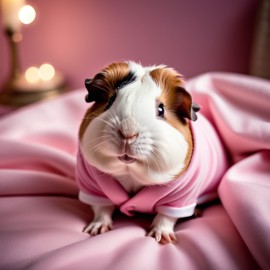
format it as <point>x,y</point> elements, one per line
<point>177,198</point>
<point>41,218</point>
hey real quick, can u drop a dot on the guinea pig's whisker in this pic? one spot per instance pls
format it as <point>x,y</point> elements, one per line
<point>93,141</point>
<point>156,159</point>
<point>113,117</point>
<point>100,157</point>
<point>158,150</point>
<point>97,148</point>
<point>106,122</point>
<point>97,144</point>
<point>148,166</point>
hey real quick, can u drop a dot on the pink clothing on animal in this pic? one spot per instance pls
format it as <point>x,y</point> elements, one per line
<point>177,198</point>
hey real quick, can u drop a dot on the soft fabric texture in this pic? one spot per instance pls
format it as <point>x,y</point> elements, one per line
<point>177,198</point>
<point>41,218</point>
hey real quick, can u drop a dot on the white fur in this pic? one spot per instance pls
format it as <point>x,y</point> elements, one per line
<point>159,149</point>
<point>163,228</point>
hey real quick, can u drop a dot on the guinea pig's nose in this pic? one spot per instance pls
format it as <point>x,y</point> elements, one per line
<point>128,130</point>
<point>130,138</point>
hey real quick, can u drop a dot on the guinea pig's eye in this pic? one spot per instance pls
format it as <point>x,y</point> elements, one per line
<point>160,110</point>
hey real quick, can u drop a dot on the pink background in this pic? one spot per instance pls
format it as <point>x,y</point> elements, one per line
<point>79,37</point>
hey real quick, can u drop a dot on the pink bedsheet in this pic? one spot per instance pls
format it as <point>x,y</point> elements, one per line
<point>41,219</point>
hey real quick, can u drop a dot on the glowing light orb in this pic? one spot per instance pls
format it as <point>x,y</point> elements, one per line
<point>46,72</point>
<point>27,14</point>
<point>32,74</point>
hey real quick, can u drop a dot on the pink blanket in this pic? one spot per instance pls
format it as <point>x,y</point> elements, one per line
<point>41,219</point>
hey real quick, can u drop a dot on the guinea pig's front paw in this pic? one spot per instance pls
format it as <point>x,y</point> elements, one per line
<point>162,229</point>
<point>98,227</point>
<point>102,221</point>
<point>163,237</point>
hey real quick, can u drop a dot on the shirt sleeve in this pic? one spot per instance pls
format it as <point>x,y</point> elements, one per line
<point>177,212</point>
<point>181,201</point>
<point>90,192</point>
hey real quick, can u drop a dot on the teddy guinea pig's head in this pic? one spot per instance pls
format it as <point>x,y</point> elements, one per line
<point>138,124</point>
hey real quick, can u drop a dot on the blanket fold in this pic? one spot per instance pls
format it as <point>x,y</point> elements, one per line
<point>41,218</point>
<point>238,106</point>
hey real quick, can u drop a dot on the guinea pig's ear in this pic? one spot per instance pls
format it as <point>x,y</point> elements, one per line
<point>185,107</point>
<point>95,90</point>
<point>194,108</point>
<point>87,84</point>
<point>104,86</point>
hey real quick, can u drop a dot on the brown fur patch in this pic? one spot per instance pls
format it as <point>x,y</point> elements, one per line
<point>90,114</point>
<point>175,101</point>
<point>110,76</point>
<point>103,85</point>
<point>185,130</point>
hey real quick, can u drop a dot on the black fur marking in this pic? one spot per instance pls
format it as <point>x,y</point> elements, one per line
<point>129,78</point>
<point>110,102</point>
<point>125,81</point>
<point>98,94</point>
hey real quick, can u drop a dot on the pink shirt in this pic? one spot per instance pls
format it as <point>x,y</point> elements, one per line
<point>177,198</point>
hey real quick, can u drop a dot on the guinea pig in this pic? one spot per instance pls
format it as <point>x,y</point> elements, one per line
<point>144,147</point>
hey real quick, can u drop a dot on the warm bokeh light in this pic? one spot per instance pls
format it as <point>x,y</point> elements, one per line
<point>32,74</point>
<point>27,14</point>
<point>46,72</point>
<point>17,37</point>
